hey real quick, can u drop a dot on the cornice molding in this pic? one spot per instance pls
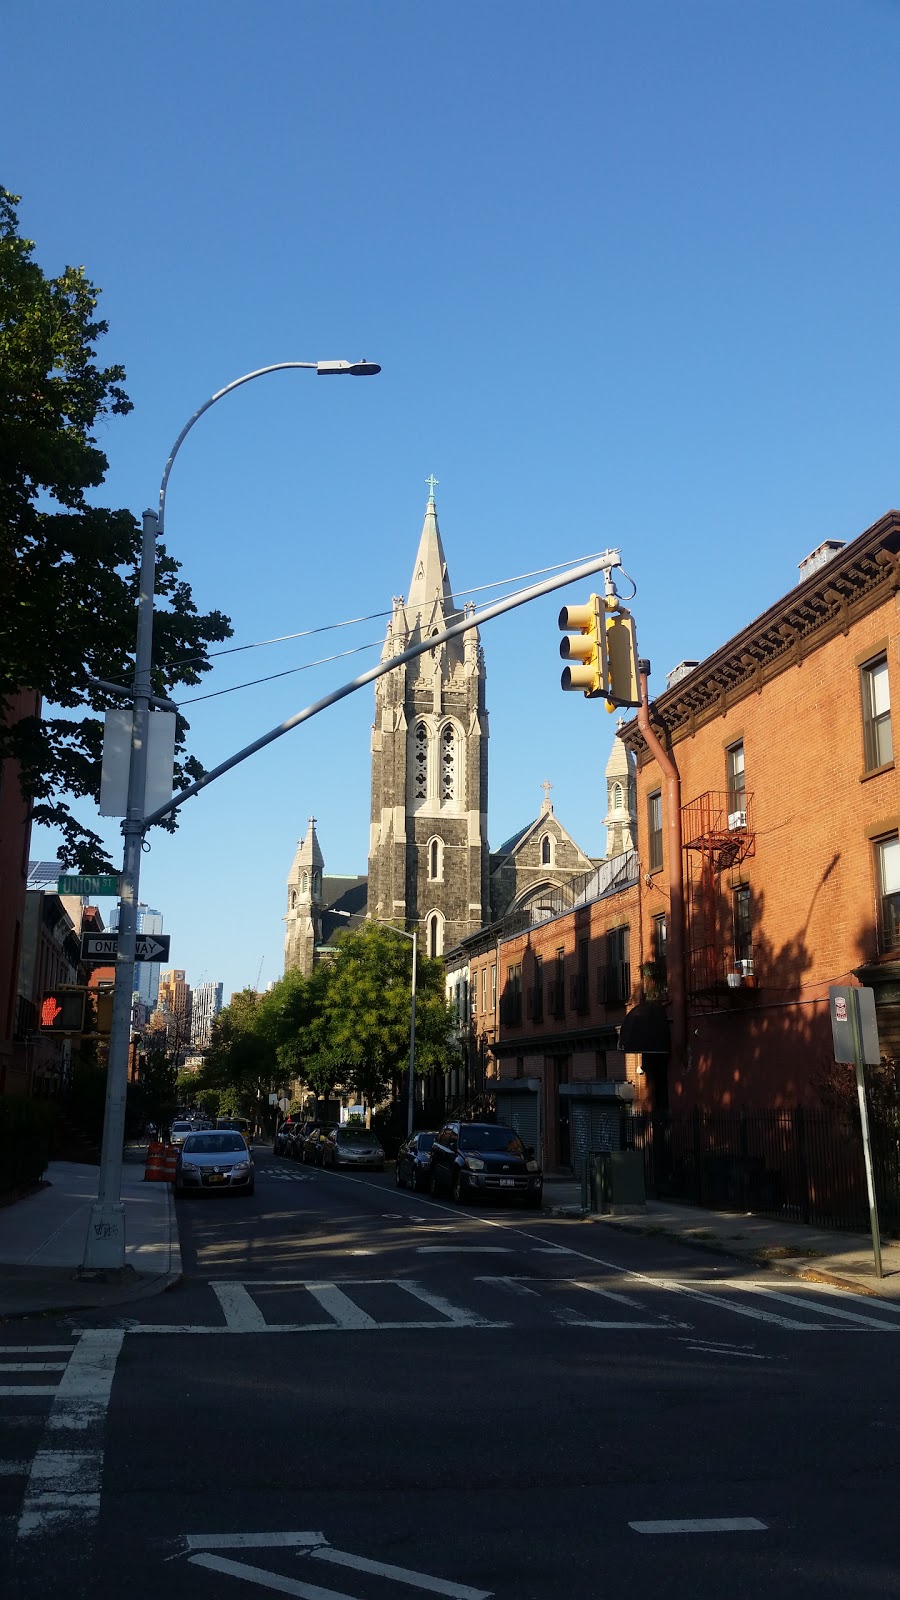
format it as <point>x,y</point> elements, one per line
<point>846,589</point>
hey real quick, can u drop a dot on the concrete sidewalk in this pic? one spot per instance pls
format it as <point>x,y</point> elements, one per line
<point>42,1239</point>
<point>815,1254</point>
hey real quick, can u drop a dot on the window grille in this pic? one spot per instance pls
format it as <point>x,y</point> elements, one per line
<point>448,763</point>
<point>420,762</point>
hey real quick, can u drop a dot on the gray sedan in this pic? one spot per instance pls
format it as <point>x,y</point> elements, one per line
<point>214,1161</point>
<point>352,1147</point>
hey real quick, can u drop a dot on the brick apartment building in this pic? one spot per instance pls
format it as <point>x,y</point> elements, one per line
<point>782,810</point>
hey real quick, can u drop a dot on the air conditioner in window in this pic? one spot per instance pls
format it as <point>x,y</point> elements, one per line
<point>737,819</point>
<point>745,967</point>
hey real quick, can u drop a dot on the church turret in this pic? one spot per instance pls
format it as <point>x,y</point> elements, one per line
<point>428,856</point>
<point>621,801</point>
<point>304,904</point>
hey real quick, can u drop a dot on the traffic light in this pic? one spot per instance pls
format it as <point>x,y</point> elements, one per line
<point>104,1003</point>
<point>62,1011</point>
<point>588,647</point>
<point>624,687</point>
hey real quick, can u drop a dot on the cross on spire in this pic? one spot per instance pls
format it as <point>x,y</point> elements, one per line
<point>431,482</point>
<point>546,786</point>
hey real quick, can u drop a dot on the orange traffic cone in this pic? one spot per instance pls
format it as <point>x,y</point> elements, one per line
<point>153,1173</point>
<point>169,1163</point>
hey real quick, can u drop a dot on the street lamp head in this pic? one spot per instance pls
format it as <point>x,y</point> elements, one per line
<point>356,369</point>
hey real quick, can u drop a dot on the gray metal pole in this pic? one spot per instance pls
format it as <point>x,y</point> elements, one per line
<point>104,1249</point>
<point>856,1026</point>
<point>411,1102</point>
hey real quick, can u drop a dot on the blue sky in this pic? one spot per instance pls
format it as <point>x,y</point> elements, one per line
<point>631,273</point>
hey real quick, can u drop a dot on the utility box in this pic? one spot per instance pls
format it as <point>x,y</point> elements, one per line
<point>617,1181</point>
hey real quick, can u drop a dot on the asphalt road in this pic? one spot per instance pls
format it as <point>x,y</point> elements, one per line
<point>361,1393</point>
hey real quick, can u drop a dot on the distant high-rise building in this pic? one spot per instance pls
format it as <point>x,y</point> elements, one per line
<point>146,973</point>
<point>175,996</point>
<point>206,1003</point>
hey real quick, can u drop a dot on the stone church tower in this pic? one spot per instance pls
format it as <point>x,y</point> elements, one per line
<point>303,931</point>
<point>428,850</point>
<point>621,800</point>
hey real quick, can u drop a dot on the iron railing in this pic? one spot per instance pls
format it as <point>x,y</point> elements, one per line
<point>796,1165</point>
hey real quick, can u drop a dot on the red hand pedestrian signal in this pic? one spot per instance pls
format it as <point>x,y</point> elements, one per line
<point>50,1010</point>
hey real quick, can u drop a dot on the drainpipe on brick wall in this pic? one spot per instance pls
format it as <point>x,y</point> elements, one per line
<point>675,946</point>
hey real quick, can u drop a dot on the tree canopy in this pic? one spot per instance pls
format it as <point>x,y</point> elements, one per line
<point>70,568</point>
<point>344,1026</point>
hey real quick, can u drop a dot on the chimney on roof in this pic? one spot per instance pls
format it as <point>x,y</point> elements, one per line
<point>824,553</point>
<point>679,672</point>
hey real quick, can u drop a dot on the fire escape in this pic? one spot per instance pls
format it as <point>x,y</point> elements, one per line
<point>717,835</point>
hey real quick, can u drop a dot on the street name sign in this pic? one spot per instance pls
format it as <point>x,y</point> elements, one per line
<point>88,883</point>
<point>105,946</point>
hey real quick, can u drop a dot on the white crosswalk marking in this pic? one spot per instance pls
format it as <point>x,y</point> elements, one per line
<point>339,1306</point>
<point>807,1303</point>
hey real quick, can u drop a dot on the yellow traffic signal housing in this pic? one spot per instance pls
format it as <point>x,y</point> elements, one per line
<point>624,687</point>
<point>104,1003</point>
<point>588,648</point>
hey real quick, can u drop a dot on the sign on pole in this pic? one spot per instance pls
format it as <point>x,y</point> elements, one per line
<point>855,1030</point>
<point>105,946</point>
<point>96,883</point>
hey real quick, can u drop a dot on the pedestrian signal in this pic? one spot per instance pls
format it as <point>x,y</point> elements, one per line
<point>62,1011</point>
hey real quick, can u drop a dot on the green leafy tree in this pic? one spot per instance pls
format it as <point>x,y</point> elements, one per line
<point>366,1014</point>
<point>70,568</point>
<point>241,1057</point>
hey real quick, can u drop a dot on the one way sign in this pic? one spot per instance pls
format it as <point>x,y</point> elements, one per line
<point>105,947</point>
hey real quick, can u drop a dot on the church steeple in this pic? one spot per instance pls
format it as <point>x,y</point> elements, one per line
<point>621,791</point>
<point>430,580</point>
<point>304,907</point>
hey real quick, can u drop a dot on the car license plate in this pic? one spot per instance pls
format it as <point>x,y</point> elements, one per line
<point>216,1177</point>
<point>507,1183</point>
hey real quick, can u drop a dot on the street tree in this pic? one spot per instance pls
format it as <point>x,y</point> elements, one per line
<point>366,1013</point>
<point>241,1058</point>
<point>69,588</point>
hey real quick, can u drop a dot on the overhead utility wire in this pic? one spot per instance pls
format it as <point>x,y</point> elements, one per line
<point>351,622</point>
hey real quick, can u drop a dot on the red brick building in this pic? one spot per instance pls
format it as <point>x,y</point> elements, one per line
<point>770,852</point>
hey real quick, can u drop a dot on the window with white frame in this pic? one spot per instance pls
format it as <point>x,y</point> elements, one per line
<point>887,884</point>
<point>876,708</point>
<point>420,762</point>
<point>434,934</point>
<point>436,860</point>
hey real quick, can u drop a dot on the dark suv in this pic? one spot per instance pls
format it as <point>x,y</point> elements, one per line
<point>480,1158</point>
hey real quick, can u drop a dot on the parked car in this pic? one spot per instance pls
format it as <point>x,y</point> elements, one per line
<point>481,1158</point>
<point>352,1146</point>
<point>414,1161</point>
<point>312,1145</point>
<point>216,1160</point>
<point>180,1131</point>
<point>284,1138</point>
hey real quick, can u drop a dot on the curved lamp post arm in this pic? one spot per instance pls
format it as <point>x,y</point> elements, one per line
<point>279,366</point>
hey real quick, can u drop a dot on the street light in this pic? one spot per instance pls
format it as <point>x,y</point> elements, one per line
<point>104,1249</point>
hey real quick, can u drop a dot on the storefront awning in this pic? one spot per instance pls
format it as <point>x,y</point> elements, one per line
<point>645,1031</point>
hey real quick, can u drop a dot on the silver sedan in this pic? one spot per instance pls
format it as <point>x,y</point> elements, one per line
<point>213,1161</point>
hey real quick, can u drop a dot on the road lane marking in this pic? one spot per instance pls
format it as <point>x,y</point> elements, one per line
<point>608,1294</point>
<point>703,1525</point>
<point>63,1489</point>
<point>572,1319</point>
<point>29,1389</point>
<point>513,1285</point>
<point>809,1304</point>
<point>32,1366</point>
<point>416,1580</point>
<point>35,1349</point>
<point>463,1249</point>
<point>242,1314</point>
<point>267,1580</point>
<point>251,1541</point>
<point>346,1313</point>
<point>456,1315</point>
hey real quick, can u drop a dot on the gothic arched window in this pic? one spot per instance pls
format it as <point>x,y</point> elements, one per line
<point>420,762</point>
<point>448,762</point>
<point>436,860</point>
<point>434,934</point>
<point>617,796</point>
<point>293,899</point>
<point>547,851</point>
<point>315,882</point>
<point>304,883</point>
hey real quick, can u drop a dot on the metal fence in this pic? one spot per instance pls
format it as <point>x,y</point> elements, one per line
<point>800,1166</point>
